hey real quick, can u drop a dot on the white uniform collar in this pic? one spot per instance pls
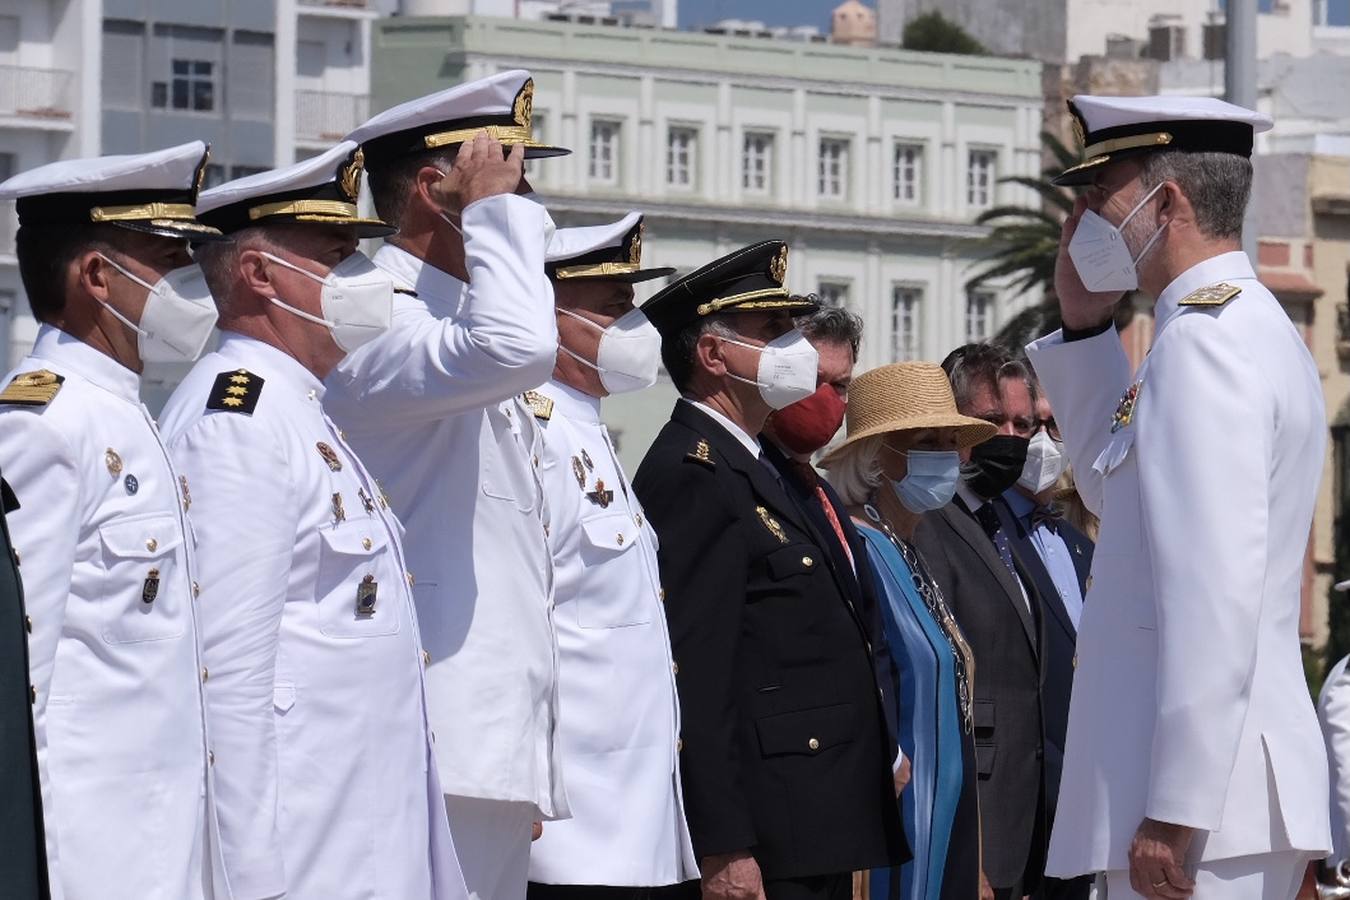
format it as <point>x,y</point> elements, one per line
<point>572,403</point>
<point>268,361</point>
<point>413,273</point>
<point>91,364</point>
<point>749,441</point>
<point>1231,266</point>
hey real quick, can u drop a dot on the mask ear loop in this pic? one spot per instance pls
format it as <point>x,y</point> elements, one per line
<point>318,320</point>
<point>1148,245</point>
<point>150,289</point>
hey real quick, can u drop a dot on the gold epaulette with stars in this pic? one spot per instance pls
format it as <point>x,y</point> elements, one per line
<point>235,391</point>
<point>541,406</point>
<point>32,388</point>
<point>1213,295</point>
<point>702,453</point>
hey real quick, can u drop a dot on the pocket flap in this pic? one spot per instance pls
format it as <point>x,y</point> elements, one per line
<point>143,537</point>
<point>283,697</point>
<point>807,731</point>
<point>1115,451</point>
<point>355,538</point>
<point>610,531</point>
<point>798,559</point>
<point>983,715</point>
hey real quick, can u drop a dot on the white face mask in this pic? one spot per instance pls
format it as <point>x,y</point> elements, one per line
<point>1102,257</point>
<point>1045,463</point>
<point>787,369</point>
<point>357,300</point>
<point>178,317</point>
<point>629,352</point>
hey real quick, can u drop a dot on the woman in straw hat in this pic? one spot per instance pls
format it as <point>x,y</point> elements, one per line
<point>899,460</point>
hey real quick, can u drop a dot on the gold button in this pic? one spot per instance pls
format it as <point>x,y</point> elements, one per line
<point>151,545</point>
<point>545,531</point>
<point>196,590</point>
<point>33,694</point>
<point>17,560</point>
<point>206,673</point>
<point>1089,582</point>
<point>675,667</point>
<point>411,579</point>
<point>808,561</point>
<point>1075,660</point>
<point>28,623</point>
<point>639,519</point>
<point>619,539</point>
<point>536,462</point>
<point>813,744</point>
<point>679,745</point>
<point>211,757</point>
<point>365,542</point>
<point>663,595</point>
<point>426,658</point>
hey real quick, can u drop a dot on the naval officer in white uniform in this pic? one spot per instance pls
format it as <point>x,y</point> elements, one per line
<point>620,718</point>
<point>327,788</point>
<point>1194,766</point>
<point>102,534</point>
<point>434,407</point>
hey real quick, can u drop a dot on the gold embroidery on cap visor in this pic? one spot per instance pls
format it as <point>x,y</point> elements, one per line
<point>596,270</point>
<point>143,211</point>
<point>749,300</point>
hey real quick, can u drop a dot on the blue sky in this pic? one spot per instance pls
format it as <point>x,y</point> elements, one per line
<point>696,13</point>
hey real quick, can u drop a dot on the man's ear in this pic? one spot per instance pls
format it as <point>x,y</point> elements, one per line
<point>710,354</point>
<point>254,271</point>
<point>424,184</point>
<point>93,274</point>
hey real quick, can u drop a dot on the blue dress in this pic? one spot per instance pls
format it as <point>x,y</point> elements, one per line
<point>940,810</point>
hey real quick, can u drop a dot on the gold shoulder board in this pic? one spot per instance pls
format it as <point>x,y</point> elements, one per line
<point>541,406</point>
<point>32,388</point>
<point>1212,295</point>
<point>702,453</point>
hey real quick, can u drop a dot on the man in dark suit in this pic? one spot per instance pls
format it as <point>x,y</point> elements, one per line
<point>998,607</point>
<point>1057,557</point>
<point>785,757</point>
<point>23,853</point>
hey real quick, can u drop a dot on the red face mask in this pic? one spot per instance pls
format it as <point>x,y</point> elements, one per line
<point>807,425</point>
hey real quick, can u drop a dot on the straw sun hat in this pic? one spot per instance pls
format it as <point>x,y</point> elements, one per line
<point>906,396</point>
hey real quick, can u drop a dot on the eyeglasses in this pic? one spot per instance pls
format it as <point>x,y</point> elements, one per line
<point>1051,428</point>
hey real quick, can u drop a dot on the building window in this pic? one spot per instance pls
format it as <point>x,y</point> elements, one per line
<point>979,314</point>
<point>906,301</point>
<point>907,170</point>
<point>980,174</point>
<point>757,163</point>
<point>193,87</point>
<point>214,176</point>
<point>604,151</point>
<point>832,174</point>
<point>681,153</point>
<point>245,171</point>
<point>833,293</point>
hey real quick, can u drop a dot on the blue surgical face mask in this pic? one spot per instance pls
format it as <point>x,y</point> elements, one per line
<point>930,482</point>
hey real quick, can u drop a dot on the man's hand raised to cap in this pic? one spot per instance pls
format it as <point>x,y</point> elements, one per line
<point>1079,308</point>
<point>480,170</point>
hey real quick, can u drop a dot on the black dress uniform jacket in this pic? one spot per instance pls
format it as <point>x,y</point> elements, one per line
<point>1005,639</point>
<point>784,745</point>
<point>23,853</point>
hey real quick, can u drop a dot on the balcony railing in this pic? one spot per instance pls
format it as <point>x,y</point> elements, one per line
<point>35,93</point>
<point>326,116</point>
<point>337,4</point>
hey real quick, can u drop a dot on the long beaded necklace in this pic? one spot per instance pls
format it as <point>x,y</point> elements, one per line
<point>927,588</point>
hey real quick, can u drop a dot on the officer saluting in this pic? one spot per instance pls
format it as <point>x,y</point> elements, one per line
<point>786,762</point>
<point>101,529</point>
<point>1193,760</point>
<point>621,716</point>
<point>318,711</point>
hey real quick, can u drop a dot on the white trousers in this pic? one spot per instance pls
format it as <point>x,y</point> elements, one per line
<point>1268,876</point>
<point>492,841</point>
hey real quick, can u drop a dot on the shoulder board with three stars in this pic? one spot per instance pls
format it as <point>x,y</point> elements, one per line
<point>32,388</point>
<point>541,406</point>
<point>235,391</point>
<point>1212,296</point>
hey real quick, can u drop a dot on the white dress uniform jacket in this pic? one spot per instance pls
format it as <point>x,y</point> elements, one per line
<point>1189,702</point>
<point>1333,711</point>
<point>433,407</point>
<point>326,783</point>
<point>107,565</point>
<point>620,715</point>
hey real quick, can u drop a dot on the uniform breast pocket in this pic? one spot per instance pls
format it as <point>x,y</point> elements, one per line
<point>807,732</point>
<point>355,601</point>
<point>615,591</point>
<point>505,467</point>
<point>793,561</point>
<point>144,592</point>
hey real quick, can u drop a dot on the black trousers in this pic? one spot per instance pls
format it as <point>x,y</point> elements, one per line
<point>815,887</point>
<point>1065,888</point>
<point>689,890</point>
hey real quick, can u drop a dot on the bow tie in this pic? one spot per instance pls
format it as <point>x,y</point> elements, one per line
<point>1048,516</point>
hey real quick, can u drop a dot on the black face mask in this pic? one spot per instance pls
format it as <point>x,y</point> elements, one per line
<point>996,465</point>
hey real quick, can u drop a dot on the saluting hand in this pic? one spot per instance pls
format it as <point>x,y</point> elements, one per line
<point>1079,308</point>
<point>480,170</point>
<point>1156,857</point>
<point>732,876</point>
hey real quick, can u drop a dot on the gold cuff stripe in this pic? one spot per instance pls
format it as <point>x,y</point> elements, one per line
<point>1153,139</point>
<point>513,134</point>
<point>302,207</point>
<point>599,269</point>
<point>705,309</point>
<point>141,211</point>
